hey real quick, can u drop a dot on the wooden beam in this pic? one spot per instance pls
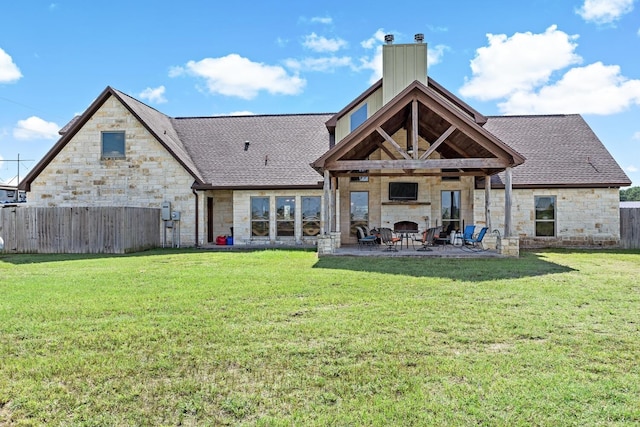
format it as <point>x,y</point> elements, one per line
<point>414,173</point>
<point>392,142</point>
<point>473,163</point>
<point>438,142</point>
<point>386,150</point>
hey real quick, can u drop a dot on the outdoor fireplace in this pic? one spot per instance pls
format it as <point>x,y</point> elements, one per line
<point>405,227</point>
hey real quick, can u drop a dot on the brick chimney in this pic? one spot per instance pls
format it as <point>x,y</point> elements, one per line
<point>402,64</point>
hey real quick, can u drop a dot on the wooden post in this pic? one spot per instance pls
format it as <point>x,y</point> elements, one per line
<point>487,201</point>
<point>414,128</point>
<point>507,203</point>
<point>335,204</point>
<point>327,202</point>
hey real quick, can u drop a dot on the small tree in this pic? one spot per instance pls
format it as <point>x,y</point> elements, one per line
<point>630,194</point>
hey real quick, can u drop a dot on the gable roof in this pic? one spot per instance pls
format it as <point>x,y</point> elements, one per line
<point>158,124</point>
<point>211,149</point>
<point>463,106</point>
<point>561,151</point>
<point>468,145</point>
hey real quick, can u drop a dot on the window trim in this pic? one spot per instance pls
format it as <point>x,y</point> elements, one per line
<point>553,220</point>
<point>124,145</point>
<point>262,220</point>
<point>352,223</point>
<point>450,219</point>
<point>304,220</point>
<point>292,217</point>
<point>353,125</point>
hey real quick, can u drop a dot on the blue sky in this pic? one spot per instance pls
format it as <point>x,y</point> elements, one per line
<point>201,58</point>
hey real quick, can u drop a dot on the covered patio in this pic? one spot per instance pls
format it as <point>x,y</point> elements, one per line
<point>424,134</point>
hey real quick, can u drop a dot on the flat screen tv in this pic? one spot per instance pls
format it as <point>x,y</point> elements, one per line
<point>403,191</point>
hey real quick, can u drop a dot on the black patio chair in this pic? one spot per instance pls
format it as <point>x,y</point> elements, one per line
<point>428,238</point>
<point>389,240</point>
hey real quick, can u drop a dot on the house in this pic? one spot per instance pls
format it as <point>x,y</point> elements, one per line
<point>405,153</point>
<point>10,194</point>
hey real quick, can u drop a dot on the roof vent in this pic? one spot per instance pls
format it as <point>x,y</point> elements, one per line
<point>388,39</point>
<point>419,38</point>
<point>246,145</point>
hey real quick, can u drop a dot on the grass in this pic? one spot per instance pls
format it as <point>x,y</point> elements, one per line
<point>280,338</point>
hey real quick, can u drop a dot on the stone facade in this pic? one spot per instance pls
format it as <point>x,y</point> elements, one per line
<point>146,177</point>
<point>585,217</point>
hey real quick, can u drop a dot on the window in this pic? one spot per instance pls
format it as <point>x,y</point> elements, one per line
<point>311,216</point>
<point>358,117</point>
<point>545,216</point>
<point>112,145</point>
<point>285,215</point>
<point>259,216</point>
<point>451,210</point>
<point>359,210</point>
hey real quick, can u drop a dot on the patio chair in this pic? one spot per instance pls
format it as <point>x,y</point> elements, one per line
<point>364,239</point>
<point>388,239</point>
<point>468,233</point>
<point>475,242</point>
<point>428,238</point>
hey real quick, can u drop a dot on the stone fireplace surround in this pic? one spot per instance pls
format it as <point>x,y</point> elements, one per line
<point>398,213</point>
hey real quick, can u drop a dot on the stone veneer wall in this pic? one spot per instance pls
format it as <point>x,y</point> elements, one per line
<point>585,217</point>
<point>149,175</point>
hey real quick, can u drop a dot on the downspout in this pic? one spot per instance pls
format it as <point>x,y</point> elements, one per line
<point>195,193</point>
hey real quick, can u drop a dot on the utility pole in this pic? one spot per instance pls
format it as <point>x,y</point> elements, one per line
<point>18,176</point>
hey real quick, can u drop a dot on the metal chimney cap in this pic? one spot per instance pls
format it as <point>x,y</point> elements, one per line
<point>388,38</point>
<point>419,38</point>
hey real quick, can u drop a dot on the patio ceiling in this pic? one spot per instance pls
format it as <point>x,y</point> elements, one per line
<point>456,144</point>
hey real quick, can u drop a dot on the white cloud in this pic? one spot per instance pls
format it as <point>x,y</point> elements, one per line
<point>518,63</point>
<point>322,20</point>
<point>242,113</point>
<point>155,96</point>
<point>437,29</point>
<point>435,54</point>
<point>9,72</point>
<point>371,42</point>
<point>525,72</point>
<point>593,89</point>
<point>323,44</point>
<point>631,168</point>
<point>233,75</point>
<point>636,136</point>
<point>604,11</point>
<point>373,62</point>
<point>326,64</point>
<point>35,128</point>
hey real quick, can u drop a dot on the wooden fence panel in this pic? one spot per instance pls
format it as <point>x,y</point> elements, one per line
<point>79,229</point>
<point>630,228</point>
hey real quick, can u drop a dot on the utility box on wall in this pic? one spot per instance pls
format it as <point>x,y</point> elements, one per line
<point>175,216</point>
<point>166,211</point>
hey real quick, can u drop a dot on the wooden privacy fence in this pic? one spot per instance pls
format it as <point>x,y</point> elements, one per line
<point>630,228</point>
<point>113,230</point>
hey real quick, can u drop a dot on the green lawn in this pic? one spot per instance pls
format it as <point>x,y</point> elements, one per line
<point>281,338</point>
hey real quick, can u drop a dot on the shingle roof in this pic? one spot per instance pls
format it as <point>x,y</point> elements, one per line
<point>281,147</point>
<point>161,126</point>
<point>561,150</point>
